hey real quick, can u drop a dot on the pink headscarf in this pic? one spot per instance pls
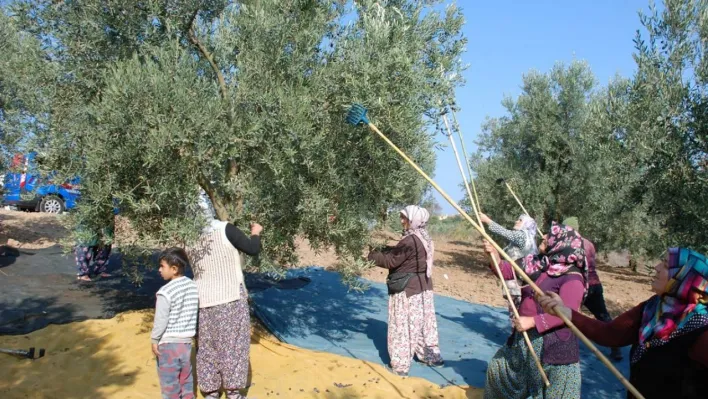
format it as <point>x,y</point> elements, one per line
<point>418,218</point>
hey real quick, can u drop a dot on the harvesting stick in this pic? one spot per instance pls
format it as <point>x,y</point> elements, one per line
<point>469,171</point>
<point>494,260</point>
<point>518,201</point>
<point>357,115</point>
<point>467,162</point>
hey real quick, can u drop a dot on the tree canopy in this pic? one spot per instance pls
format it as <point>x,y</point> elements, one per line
<point>23,88</point>
<point>152,101</point>
<point>629,159</point>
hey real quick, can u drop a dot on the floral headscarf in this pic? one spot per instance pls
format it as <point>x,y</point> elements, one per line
<point>564,251</point>
<point>683,307</point>
<point>418,219</point>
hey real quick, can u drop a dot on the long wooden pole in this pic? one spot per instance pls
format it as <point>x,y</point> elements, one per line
<point>503,254</point>
<point>476,209</point>
<point>518,201</point>
<point>467,162</point>
<point>469,169</point>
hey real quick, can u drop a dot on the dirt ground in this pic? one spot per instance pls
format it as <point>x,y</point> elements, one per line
<point>460,267</point>
<point>30,230</point>
<point>112,359</point>
<point>113,350</point>
<point>461,271</point>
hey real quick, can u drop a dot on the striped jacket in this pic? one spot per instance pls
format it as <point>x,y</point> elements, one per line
<point>182,295</point>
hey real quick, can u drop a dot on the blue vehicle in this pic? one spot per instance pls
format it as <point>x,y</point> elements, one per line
<point>25,189</point>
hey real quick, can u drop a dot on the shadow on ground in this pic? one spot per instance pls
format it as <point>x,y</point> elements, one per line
<point>65,345</point>
<point>322,316</point>
<point>39,288</point>
<point>475,262</point>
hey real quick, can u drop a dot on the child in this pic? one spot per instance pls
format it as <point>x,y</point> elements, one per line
<point>522,243</point>
<point>175,326</point>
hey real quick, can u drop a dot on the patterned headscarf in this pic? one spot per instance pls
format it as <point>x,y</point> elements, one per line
<point>418,219</point>
<point>564,251</point>
<point>684,301</point>
<point>528,226</point>
<point>208,212</point>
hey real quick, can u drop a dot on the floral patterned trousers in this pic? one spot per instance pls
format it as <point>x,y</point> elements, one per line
<point>412,330</point>
<point>92,260</point>
<point>223,350</point>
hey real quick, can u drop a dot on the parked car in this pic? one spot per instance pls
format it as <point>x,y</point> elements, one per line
<point>24,188</point>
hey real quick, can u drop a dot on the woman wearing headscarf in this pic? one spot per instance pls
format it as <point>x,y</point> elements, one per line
<point>412,327</point>
<point>668,332</point>
<point>93,248</point>
<point>522,242</point>
<point>512,372</point>
<point>224,326</point>
<point>595,298</point>
<point>92,254</point>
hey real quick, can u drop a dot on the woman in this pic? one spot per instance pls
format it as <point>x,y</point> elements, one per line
<point>668,332</point>
<point>412,328</point>
<point>522,243</point>
<point>521,239</point>
<point>512,373</point>
<point>595,298</point>
<point>224,329</point>
<point>93,250</point>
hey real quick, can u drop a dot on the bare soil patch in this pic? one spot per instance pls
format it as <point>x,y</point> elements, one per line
<point>461,267</point>
<point>30,230</point>
<point>461,271</point>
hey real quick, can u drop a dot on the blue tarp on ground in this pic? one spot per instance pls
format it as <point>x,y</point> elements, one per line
<point>323,316</point>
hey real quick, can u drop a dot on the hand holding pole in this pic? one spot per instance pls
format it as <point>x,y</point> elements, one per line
<point>476,208</point>
<point>357,115</point>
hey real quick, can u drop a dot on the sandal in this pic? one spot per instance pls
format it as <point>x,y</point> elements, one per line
<point>83,278</point>
<point>439,363</point>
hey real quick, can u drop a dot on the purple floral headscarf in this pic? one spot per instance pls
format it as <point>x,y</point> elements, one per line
<point>564,251</point>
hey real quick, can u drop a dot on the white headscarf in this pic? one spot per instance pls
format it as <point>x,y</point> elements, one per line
<point>528,226</point>
<point>208,212</point>
<point>418,219</point>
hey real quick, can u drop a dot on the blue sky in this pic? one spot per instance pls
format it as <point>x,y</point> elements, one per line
<point>508,38</point>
